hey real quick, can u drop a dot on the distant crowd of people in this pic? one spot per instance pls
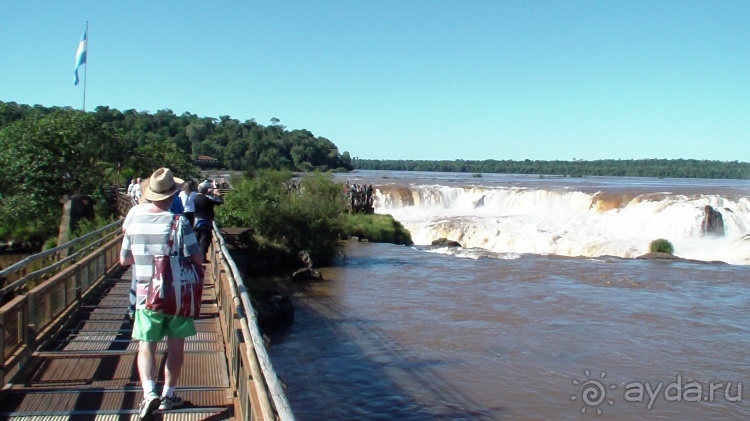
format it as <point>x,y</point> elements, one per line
<point>360,197</point>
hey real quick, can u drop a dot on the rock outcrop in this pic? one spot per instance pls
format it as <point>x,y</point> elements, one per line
<point>713,222</point>
<point>444,242</point>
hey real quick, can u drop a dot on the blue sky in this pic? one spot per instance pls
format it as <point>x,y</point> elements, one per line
<point>410,79</point>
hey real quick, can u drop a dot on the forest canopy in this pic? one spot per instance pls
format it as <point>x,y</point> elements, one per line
<point>50,153</point>
<point>149,139</point>
<point>237,145</point>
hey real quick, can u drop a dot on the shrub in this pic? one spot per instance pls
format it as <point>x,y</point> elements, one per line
<point>661,246</point>
<point>377,229</point>
<point>304,215</point>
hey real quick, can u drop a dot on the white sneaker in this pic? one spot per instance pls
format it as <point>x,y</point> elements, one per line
<point>148,406</point>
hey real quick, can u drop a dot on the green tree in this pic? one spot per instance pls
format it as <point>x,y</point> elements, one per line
<point>154,155</point>
<point>305,214</point>
<point>45,157</point>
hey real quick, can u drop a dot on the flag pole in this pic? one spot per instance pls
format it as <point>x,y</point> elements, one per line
<point>86,68</point>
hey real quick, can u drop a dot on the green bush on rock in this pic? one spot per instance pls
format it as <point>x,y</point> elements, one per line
<point>661,246</point>
<point>377,229</point>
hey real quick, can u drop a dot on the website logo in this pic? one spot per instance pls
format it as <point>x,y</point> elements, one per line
<point>593,392</point>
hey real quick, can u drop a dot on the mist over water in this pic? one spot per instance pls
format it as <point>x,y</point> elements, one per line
<point>419,333</point>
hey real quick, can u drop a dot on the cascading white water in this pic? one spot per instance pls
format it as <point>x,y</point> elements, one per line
<point>570,223</point>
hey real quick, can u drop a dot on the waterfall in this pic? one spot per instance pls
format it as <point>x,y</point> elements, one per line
<point>516,220</point>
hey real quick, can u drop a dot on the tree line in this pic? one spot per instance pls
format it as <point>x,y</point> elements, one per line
<point>667,168</point>
<point>237,145</point>
<point>47,153</point>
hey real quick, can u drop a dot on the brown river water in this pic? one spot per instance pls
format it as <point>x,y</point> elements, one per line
<point>420,333</point>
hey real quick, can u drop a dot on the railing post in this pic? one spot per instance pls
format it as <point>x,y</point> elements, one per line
<point>29,326</point>
<point>2,348</point>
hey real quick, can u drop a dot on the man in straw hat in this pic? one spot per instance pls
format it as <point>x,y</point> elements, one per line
<point>146,236</point>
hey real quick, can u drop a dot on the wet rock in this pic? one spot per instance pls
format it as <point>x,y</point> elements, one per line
<point>713,222</point>
<point>306,274</point>
<point>444,242</point>
<point>658,256</point>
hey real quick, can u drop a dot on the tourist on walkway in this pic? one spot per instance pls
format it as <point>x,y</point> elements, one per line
<point>135,190</point>
<point>204,202</point>
<point>147,236</point>
<point>129,191</point>
<point>187,195</point>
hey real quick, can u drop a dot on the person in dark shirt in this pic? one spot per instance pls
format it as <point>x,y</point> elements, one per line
<point>204,203</point>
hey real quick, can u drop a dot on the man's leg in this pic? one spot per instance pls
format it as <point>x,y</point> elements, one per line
<point>172,371</point>
<point>175,359</point>
<point>147,363</point>
<point>147,371</point>
<point>204,240</point>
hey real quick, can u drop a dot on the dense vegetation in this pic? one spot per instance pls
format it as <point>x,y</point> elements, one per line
<point>43,159</point>
<point>47,153</point>
<point>237,145</point>
<point>674,168</point>
<point>305,214</point>
<point>308,213</point>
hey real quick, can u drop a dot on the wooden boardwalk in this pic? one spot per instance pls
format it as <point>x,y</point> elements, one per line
<point>67,352</point>
<point>88,370</point>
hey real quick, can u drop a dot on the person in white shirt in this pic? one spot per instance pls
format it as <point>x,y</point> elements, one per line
<point>135,190</point>
<point>187,195</point>
<point>130,187</point>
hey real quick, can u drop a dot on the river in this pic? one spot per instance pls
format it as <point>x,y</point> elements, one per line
<point>555,322</point>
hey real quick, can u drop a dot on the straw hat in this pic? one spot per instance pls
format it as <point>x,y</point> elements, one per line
<point>161,185</point>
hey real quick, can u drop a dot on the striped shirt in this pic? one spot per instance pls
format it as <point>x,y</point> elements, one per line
<point>146,236</point>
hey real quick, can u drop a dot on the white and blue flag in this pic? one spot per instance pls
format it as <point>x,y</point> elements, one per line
<point>80,57</point>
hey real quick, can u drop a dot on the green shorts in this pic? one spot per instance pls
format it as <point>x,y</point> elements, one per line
<point>151,326</point>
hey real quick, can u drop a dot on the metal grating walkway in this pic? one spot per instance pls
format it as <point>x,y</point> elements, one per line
<point>88,372</point>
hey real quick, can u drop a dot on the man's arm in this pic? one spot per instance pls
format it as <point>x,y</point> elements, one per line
<point>126,254</point>
<point>215,196</point>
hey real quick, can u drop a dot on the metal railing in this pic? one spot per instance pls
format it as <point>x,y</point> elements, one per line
<point>259,393</point>
<point>35,268</point>
<point>28,321</point>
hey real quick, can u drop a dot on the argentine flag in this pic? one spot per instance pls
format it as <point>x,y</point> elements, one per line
<point>80,57</point>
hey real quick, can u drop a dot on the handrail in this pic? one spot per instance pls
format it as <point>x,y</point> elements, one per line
<point>29,260</point>
<point>56,265</point>
<point>249,327</point>
<point>29,320</point>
